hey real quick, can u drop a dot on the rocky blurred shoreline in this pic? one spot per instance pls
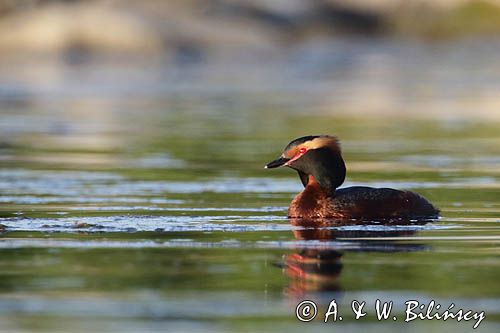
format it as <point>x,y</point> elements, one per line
<point>187,31</point>
<point>365,57</point>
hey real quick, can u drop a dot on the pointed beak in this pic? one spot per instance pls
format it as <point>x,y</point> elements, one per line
<point>277,163</point>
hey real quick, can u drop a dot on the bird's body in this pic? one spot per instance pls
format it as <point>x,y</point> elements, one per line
<point>321,170</point>
<point>359,202</point>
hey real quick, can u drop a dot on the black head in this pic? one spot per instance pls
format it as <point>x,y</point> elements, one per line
<point>318,156</point>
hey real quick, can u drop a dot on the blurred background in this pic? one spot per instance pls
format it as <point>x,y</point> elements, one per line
<point>93,75</point>
<point>133,136</point>
<point>438,58</point>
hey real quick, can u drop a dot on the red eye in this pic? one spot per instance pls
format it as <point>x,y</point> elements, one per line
<point>302,150</point>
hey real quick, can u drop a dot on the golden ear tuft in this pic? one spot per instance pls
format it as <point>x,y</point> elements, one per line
<point>324,141</point>
<point>312,142</point>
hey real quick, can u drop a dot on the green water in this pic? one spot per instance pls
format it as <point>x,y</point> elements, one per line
<point>152,212</point>
<point>205,245</point>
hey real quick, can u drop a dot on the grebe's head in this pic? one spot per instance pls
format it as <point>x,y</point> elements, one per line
<point>316,155</point>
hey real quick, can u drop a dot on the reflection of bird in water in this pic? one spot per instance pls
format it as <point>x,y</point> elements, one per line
<point>322,170</point>
<point>313,270</point>
<point>318,268</point>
